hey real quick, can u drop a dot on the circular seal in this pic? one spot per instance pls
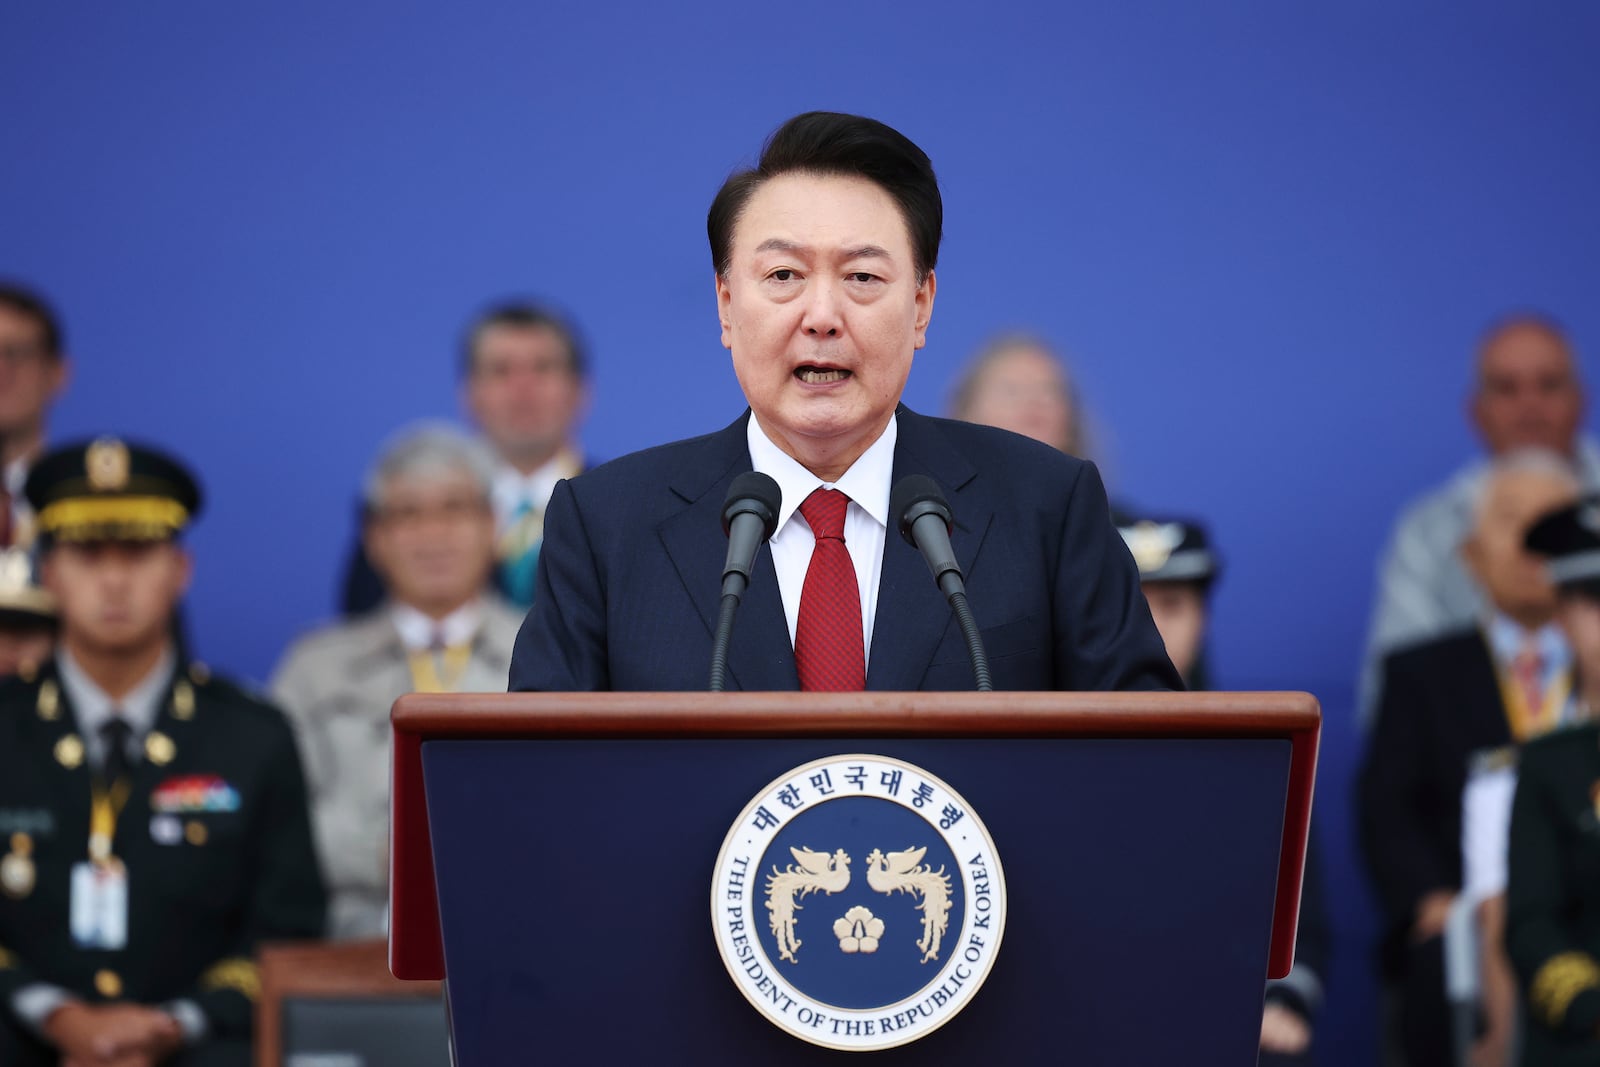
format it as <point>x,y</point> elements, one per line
<point>858,902</point>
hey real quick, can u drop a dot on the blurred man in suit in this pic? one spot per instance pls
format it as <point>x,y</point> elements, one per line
<point>1478,689</point>
<point>33,372</point>
<point>1527,394</point>
<point>430,533</point>
<point>525,383</point>
<point>154,816</point>
<point>824,261</point>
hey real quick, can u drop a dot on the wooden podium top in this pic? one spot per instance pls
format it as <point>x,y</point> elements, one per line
<point>415,945</point>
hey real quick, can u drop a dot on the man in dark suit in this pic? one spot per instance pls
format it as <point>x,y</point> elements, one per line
<point>1445,703</point>
<point>824,257</point>
<point>153,818</point>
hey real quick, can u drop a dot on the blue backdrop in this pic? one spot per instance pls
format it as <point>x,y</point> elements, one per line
<point>1267,235</point>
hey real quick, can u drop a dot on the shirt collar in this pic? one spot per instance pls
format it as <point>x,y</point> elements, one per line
<point>417,631</point>
<point>866,482</point>
<point>15,474</point>
<point>94,707</point>
<point>512,487</point>
<point>1507,638</point>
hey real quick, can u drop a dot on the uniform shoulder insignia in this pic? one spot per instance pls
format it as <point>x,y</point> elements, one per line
<point>199,673</point>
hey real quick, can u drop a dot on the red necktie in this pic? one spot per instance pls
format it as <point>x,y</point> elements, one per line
<point>827,638</point>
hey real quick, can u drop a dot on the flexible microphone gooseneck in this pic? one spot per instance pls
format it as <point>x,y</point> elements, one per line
<point>924,516</point>
<point>749,517</point>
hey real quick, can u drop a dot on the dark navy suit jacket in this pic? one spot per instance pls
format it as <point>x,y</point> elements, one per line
<point>630,576</point>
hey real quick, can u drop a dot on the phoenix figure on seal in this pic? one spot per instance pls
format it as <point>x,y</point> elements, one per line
<point>818,872</point>
<point>898,872</point>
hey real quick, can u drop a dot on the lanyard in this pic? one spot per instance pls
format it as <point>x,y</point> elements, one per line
<point>1529,722</point>
<point>104,809</point>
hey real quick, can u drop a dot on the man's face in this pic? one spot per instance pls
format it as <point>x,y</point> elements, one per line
<point>1023,391</point>
<point>1528,393</point>
<point>523,392</point>
<point>1579,616</point>
<point>433,540</point>
<point>29,376</point>
<point>1514,578</point>
<point>24,646</point>
<point>1179,609</point>
<point>822,311</point>
<point>116,596</point>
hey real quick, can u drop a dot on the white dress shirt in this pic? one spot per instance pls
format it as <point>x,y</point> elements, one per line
<point>866,521</point>
<point>94,707</point>
<point>423,633</point>
<point>512,488</point>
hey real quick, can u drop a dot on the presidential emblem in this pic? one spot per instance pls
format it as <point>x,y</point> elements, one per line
<point>858,902</point>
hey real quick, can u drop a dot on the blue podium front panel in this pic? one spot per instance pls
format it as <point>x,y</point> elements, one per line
<point>575,881</point>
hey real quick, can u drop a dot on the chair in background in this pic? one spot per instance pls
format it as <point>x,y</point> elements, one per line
<point>336,1005</point>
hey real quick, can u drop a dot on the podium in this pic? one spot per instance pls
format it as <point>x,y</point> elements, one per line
<point>554,858</point>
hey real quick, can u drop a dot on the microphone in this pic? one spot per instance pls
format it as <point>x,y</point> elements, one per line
<point>924,517</point>
<point>749,517</point>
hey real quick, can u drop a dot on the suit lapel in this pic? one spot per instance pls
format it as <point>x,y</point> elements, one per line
<point>1482,693</point>
<point>760,655</point>
<point>912,616</point>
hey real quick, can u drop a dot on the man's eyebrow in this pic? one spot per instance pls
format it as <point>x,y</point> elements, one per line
<point>779,244</point>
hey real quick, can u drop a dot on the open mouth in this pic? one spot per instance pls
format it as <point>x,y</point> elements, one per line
<point>814,375</point>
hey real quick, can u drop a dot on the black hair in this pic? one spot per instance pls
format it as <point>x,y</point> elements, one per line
<point>30,304</point>
<point>525,316</point>
<point>826,142</point>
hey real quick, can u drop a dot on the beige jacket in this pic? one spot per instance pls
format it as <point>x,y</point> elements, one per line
<point>337,686</point>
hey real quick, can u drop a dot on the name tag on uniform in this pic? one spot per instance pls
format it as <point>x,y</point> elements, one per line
<point>99,915</point>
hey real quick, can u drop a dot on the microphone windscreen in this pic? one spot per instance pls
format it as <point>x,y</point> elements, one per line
<point>757,494</point>
<point>914,496</point>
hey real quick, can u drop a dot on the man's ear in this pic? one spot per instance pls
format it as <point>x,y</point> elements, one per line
<point>1471,552</point>
<point>185,568</point>
<point>724,300</point>
<point>925,295</point>
<point>373,544</point>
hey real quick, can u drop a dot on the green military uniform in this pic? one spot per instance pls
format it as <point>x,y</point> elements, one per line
<point>1553,899</point>
<point>207,829</point>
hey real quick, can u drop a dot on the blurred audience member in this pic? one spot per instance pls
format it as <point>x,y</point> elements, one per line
<point>155,817</point>
<point>1553,897</point>
<point>1443,702</point>
<point>1527,395</point>
<point>430,533</point>
<point>33,371</point>
<point>525,380</point>
<point>1017,383</point>
<point>1177,569</point>
<point>27,615</point>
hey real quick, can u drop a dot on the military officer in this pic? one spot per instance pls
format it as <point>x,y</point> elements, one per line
<point>153,819</point>
<point>1177,569</point>
<point>1553,896</point>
